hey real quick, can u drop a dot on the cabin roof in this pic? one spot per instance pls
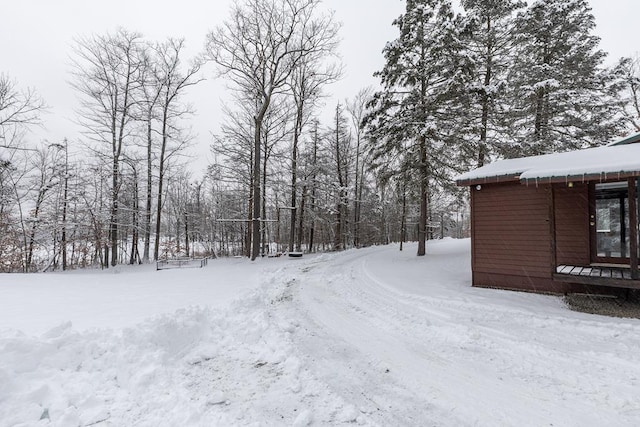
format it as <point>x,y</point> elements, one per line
<point>620,159</point>
<point>631,139</point>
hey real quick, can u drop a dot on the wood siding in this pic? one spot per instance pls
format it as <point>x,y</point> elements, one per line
<point>511,234</point>
<point>512,248</point>
<point>572,224</point>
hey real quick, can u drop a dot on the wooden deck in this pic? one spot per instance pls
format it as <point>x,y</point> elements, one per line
<point>608,272</point>
<point>619,277</point>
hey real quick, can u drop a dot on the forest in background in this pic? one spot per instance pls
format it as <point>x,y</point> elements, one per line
<point>499,79</point>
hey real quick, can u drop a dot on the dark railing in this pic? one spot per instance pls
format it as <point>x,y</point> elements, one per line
<point>164,264</point>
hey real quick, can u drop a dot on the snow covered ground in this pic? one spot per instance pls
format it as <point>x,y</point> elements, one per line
<point>372,337</point>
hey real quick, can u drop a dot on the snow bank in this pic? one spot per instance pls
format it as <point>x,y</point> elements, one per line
<point>83,378</point>
<point>118,297</point>
<point>197,366</point>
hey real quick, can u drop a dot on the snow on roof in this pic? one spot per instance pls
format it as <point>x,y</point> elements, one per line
<point>630,139</point>
<point>605,162</point>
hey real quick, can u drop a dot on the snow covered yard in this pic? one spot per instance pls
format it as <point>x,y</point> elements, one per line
<point>371,336</point>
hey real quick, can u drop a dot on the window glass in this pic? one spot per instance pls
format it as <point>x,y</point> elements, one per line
<point>612,220</point>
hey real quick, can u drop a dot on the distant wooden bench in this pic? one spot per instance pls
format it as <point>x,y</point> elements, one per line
<point>165,264</point>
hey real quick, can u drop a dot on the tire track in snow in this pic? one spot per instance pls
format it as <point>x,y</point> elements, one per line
<point>449,353</point>
<point>362,379</point>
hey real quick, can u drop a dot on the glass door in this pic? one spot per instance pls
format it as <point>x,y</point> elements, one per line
<point>612,223</point>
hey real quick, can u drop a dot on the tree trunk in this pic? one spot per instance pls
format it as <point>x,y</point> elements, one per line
<point>161,171</point>
<point>356,203</point>
<point>248,231</point>
<point>113,226</point>
<point>32,234</point>
<point>423,170</point>
<point>255,247</point>
<point>264,201</point>
<point>294,173</point>
<point>255,222</point>
<point>424,175</point>
<point>540,117</point>
<point>156,243</point>
<point>312,225</point>
<point>301,219</point>
<point>484,125</point>
<point>65,194</point>
<point>383,215</point>
<point>186,233</point>
<point>147,209</point>
<point>134,220</point>
<point>338,239</point>
<point>105,262</point>
<point>403,221</point>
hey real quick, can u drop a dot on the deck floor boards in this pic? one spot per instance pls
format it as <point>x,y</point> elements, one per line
<point>609,272</point>
<point>605,276</point>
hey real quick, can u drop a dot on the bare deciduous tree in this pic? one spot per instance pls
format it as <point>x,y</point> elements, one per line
<point>172,81</point>
<point>357,110</point>
<point>340,140</point>
<point>18,109</point>
<point>107,74</point>
<point>307,81</point>
<point>258,48</point>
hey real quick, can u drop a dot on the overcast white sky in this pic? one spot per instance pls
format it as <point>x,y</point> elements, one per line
<point>36,36</point>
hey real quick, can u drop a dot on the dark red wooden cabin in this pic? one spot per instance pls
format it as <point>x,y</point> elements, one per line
<point>558,223</point>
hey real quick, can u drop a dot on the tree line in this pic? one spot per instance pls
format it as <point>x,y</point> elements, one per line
<point>498,79</point>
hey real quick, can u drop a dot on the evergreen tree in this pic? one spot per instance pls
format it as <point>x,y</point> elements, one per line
<point>559,96</point>
<point>627,88</point>
<point>490,43</point>
<point>420,80</point>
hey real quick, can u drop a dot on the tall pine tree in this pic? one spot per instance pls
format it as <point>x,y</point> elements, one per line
<point>559,98</point>
<point>627,87</point>
<point>490,43</point>
<point>411,115</point>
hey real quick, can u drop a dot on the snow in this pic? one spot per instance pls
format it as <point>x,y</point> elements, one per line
<point>116,297</point>
<point>544,84</point>
<point>608,160</point>
<point>371,337</point>
<point>629,139</point>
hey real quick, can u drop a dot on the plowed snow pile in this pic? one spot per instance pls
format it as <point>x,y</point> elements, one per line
<point>371,337</point>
